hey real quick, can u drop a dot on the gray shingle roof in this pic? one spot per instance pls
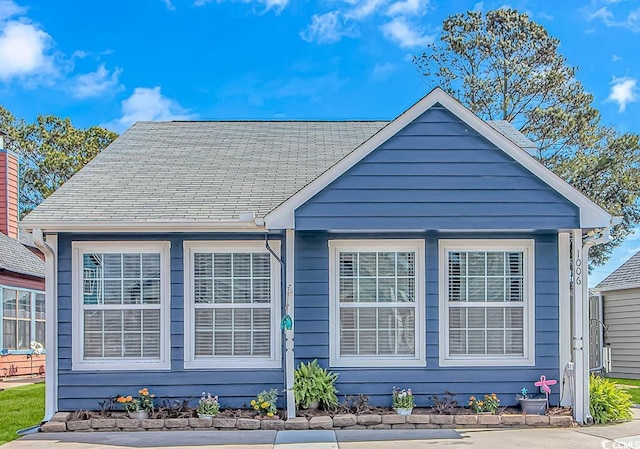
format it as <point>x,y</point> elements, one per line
<point>15,257</point>
<point>626,276</point>
<point>160,172</point>
<point>201,171</point>
<point>510,132</point>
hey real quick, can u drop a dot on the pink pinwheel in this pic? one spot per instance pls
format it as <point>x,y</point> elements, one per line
<point>544,384</point>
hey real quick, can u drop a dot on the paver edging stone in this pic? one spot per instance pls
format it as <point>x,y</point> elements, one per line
<point>61,422</point>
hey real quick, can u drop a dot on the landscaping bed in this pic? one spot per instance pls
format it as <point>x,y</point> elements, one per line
<point>375,418</point>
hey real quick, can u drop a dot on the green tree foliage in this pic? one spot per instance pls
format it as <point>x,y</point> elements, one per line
<point>504,66</point>
<point>51,150</point>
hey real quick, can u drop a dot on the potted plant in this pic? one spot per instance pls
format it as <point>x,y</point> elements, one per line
<point>314,386</point>
<point>489,404</point>
<point>403,402</point>
<point>532,404</point>
<point>138,408</point>
<point>265,403</point>
<point>208,406</point>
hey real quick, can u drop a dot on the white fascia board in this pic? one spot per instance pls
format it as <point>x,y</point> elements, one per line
<point>144,226</point>
<point>591,215</point>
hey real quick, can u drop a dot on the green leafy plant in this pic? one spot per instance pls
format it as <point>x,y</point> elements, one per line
<point>403,399</point>
<point>208,405</point>
<point>265,403</point>
<point>312,383</point>
<point>490,403</point>
<point>608,402</point>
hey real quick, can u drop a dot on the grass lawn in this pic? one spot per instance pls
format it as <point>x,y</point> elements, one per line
<point>634,392</point>
<point>21,407</point>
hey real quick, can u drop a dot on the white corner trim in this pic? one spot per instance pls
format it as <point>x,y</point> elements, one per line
<point>591,215</point>
<point>564,316</point>
<point>525,245</point>
<point>289,299</point>
<point>230,246</point>
<point>419,357</point>
<point>120,364</point>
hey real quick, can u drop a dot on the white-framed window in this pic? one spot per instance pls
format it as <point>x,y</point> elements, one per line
<point>23,318</point>
<point>232,305</point>
<point>376,303</point>
<point>487,302</point>
<point>121,299</point>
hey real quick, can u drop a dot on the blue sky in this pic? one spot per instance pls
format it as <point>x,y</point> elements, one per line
<point>112,63</point>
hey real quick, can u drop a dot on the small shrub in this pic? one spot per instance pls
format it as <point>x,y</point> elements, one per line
<point>354,404</point>
<point>444,406</point>
<point>608,402</point>
<point>312,383</point>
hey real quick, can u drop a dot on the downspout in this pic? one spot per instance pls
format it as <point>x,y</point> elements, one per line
<point>51,323</point>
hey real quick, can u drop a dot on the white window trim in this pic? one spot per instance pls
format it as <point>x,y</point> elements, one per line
<point>33,319</point>
<point>337,246</point>
<point>117,364</point>
<point>227,246</point>
<point>528,248</point>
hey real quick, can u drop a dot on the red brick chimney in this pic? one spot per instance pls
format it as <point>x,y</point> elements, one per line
<point>8,191</point>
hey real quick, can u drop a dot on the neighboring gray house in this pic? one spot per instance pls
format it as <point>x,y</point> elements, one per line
<point>621,302</point>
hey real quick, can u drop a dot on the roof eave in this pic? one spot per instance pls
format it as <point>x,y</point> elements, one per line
<point>610,288</point>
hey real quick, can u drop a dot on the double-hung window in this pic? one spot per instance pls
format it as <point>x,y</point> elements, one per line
<point>376,303</point>
<point>232,305</point>
<point>121,293</point>
<point>486,302</point>
<point>22,318</point>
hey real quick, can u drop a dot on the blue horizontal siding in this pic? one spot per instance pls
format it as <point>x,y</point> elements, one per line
<point>312,327</point>
<point>84,389</point>
<point>437,173</point>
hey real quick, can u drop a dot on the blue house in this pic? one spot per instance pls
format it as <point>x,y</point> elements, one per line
<point>431,252</point>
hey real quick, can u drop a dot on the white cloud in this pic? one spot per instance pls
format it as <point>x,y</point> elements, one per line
<point>169,5</point>
<point>478,7</point>
<point>148,104</point>
<point>623,91</point>
<point>24,50</point>
<point>631,21</point>
<point>276,5</point>
<point>97,83</point>
<point>408,7</point>
<point>615,58</point>
<point>363,8</point>
<point>327,28</point>
<point>9,9</point>
<point>404,34</point>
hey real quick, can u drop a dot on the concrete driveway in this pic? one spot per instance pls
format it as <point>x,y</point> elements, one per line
<point>620,436</point>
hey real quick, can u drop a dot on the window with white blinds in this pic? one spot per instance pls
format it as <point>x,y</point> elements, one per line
<point>377,302</point>
<point>122,298</point>
<point>486,302</point>
<point>231,305</point>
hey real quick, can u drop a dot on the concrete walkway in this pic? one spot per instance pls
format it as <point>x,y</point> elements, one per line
<point>620,436</point>
<point>15,382</point>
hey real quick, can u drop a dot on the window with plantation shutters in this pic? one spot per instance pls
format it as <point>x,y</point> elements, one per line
<point>123,297</point>
<point>377,302</point>
<point>486,302</point>
<point>231,305</point>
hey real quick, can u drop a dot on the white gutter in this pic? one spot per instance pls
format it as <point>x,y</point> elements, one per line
<point>49,249</point>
